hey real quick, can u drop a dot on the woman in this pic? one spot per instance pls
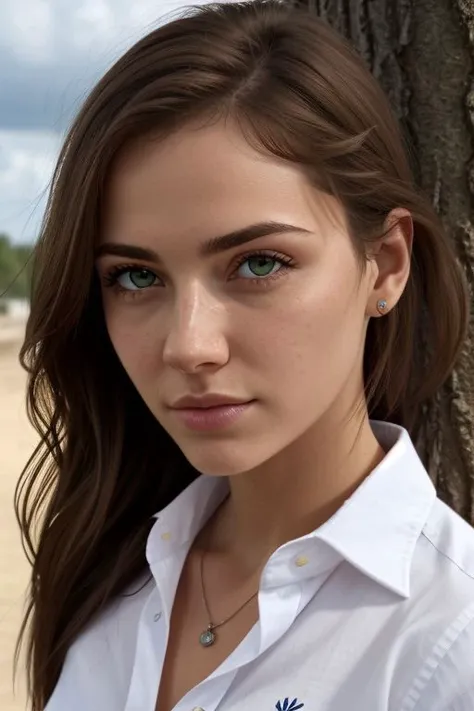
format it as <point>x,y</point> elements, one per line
<point>235,272</point>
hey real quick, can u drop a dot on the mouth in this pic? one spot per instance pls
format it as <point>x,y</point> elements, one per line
<point>212,417</point>
<point>208,400</point>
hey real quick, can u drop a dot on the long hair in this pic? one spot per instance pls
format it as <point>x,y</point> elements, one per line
<point>104,465</point>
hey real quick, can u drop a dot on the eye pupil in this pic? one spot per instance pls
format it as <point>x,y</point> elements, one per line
<point>142,278</point>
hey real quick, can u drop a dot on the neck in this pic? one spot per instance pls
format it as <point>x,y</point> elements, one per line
<point>294,493</point>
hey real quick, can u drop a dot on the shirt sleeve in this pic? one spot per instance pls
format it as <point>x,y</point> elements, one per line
<point>448,677</point>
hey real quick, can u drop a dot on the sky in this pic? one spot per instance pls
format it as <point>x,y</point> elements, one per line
<point>51,54</point>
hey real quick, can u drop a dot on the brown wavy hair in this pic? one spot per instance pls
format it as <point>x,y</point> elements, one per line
<point>104,465</point>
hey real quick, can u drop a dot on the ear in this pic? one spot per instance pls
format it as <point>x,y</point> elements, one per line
<point>391,257</point>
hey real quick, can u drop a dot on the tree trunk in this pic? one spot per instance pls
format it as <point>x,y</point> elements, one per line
<point>422,52</point>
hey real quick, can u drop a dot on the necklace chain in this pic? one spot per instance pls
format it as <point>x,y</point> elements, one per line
<point>208,637</point>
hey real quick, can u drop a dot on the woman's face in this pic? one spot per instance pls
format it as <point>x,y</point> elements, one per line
<point>277,321</point>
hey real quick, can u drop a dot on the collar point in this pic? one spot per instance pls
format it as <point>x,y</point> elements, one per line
<point>401,589</point>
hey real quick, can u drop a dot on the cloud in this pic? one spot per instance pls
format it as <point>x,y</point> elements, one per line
<point>27,29</point>
<point>53,51</point>
<point>51,54</point>
<point>27,161</point>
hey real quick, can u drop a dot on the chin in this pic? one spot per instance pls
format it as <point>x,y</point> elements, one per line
<point>219,459</point>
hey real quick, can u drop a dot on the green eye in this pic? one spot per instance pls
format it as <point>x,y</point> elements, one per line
<point>260,265</point>
<point>134,279</point>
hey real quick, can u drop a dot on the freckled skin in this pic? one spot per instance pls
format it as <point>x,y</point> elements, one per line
<point>294,344</point>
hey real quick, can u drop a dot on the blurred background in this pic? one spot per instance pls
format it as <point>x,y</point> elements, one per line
<point>51,54</point>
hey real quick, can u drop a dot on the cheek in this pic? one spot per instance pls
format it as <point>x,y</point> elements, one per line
<point>135,341</point>
<point>314,340</point>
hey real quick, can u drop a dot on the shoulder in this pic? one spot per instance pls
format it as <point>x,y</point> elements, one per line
<point>451,541</point>
<point>443,603</point>
<point>445,679</point>
<point>99,663</point>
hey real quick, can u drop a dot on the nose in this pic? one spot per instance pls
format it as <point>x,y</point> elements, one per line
<point>196,338</point>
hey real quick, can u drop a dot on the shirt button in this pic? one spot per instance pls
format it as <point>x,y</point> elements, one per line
<point>198,708</point>
<point>157,617</point>
<point>166,536</point>
<point>301,561</point>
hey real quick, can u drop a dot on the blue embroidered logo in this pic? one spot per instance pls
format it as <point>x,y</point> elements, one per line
<point>287,706</point>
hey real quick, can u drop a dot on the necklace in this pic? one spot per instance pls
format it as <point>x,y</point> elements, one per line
<point>208,637</point>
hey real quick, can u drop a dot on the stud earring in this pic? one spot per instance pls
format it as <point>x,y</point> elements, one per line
<point>381,306</point>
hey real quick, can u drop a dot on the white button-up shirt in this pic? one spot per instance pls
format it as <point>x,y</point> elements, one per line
<point>373,611</point>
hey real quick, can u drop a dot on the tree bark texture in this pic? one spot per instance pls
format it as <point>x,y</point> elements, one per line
<point>422,52</point>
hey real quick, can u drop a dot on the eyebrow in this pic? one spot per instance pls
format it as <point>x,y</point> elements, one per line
<point>215,245</point>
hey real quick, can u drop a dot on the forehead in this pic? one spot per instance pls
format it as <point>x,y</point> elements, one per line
<point>218,154</point>
<point>200,172</point>
<point>206,181</point>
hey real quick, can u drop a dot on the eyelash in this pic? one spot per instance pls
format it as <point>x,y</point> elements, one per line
<point>111,278</point>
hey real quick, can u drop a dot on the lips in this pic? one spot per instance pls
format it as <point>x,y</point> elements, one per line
<point>192,402</point>
<point>216,417</point>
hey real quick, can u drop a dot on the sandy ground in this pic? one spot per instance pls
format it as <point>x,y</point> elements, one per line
<point>17,440</point>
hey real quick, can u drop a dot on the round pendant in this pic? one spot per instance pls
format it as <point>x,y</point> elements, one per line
<point>207,638</point>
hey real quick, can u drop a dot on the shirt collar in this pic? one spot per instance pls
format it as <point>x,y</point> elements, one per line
<point>376,529</point>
